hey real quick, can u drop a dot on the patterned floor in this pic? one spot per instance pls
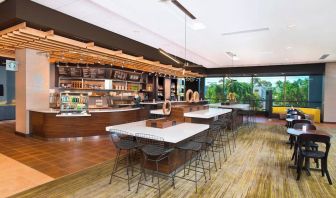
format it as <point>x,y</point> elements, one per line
<point>257,168</point>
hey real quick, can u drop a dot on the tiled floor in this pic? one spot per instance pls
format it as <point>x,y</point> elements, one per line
<point>54,158</point>
<point>16,177</point>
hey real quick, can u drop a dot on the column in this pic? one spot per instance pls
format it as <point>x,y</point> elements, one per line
<point>329,99</point>
<point>31,85</point>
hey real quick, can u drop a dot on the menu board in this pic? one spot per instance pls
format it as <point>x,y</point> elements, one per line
<point>86,72</point>
<point>93,72</point>
<point>133,77</point>
<point>64,71</point>
<point>75,72</point>
<point>119,75</point>
<point>100,73</point>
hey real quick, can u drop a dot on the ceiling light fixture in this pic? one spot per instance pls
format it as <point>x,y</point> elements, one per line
<point>246,31</point>
<point>232,55</point>
<point>324,56</point>
<point>169,56</point>
<point>183,9</point>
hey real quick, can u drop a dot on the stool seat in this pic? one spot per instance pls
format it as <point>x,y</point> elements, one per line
<point>193,146</point>
<point>313,154</point>
<point>126,144</point>
<point>154,150</point>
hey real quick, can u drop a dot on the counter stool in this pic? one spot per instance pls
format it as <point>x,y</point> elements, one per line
<point>124,141</point>
<point>225,123</point>
<point>196,157</point>
<point>153,150</point>
<point>208,145</point>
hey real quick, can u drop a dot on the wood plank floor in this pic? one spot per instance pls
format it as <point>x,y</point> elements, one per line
<point>257,168</point>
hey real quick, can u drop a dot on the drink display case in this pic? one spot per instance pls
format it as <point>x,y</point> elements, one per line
<point>74,103</point>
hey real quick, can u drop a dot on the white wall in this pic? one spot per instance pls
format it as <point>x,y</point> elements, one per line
<point>32,85</point>
<point>329,100</point>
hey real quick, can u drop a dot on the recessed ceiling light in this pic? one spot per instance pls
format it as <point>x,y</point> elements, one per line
<point>291,26</point>
<point>196,25</point>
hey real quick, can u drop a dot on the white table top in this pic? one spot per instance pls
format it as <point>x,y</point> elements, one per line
<point>297,132</point>
<point>208,113</point>
<point>156,112</point>
<point>290,119</point>
<point>232,106</point>
<point>173,134</point>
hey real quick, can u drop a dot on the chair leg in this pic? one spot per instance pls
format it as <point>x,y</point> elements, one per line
<point>326,171</point>
<point>228,140</point>
<point>142,172</point>
<point>299,167</point>
<point>157,174</point>
<point>214,158</point>
<point>127,167</point>
<point>200,157</point>
<point>196,160</point>
<point>115,166</point>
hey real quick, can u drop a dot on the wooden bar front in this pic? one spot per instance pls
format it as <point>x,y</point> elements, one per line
<point>47,125</point>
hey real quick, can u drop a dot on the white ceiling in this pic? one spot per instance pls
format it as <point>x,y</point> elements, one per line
<point>300,31</point>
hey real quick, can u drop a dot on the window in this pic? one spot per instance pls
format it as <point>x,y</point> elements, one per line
<point>214,91</point>
<point>241,87</point>
<point>296,90</point>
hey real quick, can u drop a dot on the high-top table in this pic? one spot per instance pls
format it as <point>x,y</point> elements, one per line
<point>171,136</point>
<point>244,107</point>
<point>205,116</point>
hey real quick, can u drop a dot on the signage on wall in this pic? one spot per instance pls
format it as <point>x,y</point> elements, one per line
<point>12,65</point>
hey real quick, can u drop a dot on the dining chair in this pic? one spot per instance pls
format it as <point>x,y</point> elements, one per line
<point>305,153</point>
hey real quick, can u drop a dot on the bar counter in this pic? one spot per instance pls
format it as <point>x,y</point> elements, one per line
<point>47,123</point>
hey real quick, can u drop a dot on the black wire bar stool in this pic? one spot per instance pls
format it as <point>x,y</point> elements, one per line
<point>154,151</point>
<point>195,163</point>
<point>124,141</point>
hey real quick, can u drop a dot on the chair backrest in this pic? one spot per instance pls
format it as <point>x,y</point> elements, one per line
<point>301,121</point>
<point>317,138</point>
<point>117,135</point>
<point>308,126</point>
<point>144,138</point>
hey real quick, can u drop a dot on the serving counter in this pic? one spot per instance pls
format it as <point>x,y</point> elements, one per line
<point>50,124</point>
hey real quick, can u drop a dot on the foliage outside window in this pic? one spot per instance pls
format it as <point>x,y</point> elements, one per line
<point>286,91</point>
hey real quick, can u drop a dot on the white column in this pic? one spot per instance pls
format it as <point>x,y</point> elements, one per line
<point>32,85</point>
<point>329,98</point>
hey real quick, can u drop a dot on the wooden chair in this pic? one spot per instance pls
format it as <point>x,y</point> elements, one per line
<point>305,153</point>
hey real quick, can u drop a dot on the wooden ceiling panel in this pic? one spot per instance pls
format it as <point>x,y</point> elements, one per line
<point>62,49</point>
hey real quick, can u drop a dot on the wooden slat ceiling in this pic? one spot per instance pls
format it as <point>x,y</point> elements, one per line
<point>61,49</point>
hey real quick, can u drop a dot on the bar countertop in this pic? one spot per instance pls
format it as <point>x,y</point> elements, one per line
<point>173,134</point>
<point>90,110</point>
<point>208,113</point>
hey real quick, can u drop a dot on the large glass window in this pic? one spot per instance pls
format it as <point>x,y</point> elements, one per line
<point>296,91</point>
<point>239,87</point>
<point>214,90</point>
<point>263,84</point>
